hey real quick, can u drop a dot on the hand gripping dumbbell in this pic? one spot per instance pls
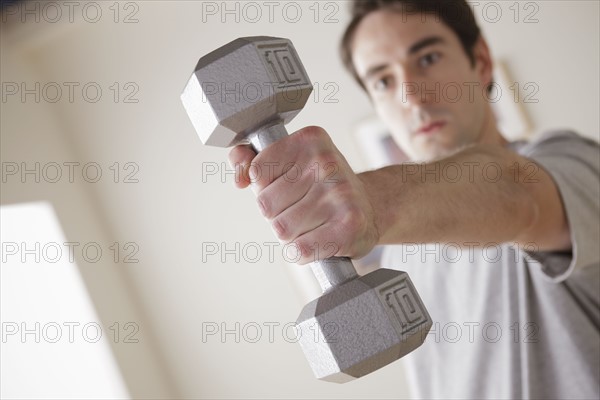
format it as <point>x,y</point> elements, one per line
<point>245,92</point>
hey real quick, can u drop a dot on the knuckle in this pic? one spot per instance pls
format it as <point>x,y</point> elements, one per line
<point>264,204</point>
<point>256,173</point>
<point>280,228</point>
<point>343,191</point>
<point>354,219</point>
<point>305,251</point>
<point>253,170</point>
<point>326,158</point>
<point>312,134</point>
<point>330,249</point>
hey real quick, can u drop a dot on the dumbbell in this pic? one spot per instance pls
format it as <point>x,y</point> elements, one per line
<point>244,93</point>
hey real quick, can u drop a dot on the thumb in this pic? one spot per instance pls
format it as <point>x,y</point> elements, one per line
<point>240,158</point>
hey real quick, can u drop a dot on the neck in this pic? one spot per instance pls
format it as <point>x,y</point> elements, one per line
<point>490,134</point>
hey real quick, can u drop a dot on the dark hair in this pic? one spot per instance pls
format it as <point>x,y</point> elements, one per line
<point>456,14</point>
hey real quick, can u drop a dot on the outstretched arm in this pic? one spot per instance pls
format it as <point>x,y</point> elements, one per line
<point>481,194</point>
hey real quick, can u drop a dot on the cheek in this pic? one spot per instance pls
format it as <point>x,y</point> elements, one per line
<point>458,85</point>
<point>392,118</point>
<point>386,114</point>
<point>394,123</point>
<point>470,109</point>
<point>390,114</point>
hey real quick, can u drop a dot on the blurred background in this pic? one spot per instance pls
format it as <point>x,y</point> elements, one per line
<point>131,266</point>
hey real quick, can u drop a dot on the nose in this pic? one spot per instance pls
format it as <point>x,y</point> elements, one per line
<point>414,91</point>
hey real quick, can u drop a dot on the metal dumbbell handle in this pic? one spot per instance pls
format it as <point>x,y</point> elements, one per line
<point>332,271</point>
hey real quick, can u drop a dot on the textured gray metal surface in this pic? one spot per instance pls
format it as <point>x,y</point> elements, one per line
<point>362,325</point>
<point>244,85</point>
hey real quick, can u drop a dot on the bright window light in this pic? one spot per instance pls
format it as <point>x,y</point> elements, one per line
<point>53,344</point>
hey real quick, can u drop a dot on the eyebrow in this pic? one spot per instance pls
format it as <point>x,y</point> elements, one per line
<point>421,44</point>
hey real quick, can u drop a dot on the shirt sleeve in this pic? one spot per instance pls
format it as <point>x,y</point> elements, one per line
<point>574,164</point>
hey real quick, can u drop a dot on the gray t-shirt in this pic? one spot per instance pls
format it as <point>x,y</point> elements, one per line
<point>510,322</point>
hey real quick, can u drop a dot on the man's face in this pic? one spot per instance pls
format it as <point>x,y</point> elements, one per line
<point>421,82</point>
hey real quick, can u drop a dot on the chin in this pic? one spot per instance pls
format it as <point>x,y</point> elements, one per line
<point>428,150</point>
<point>432,151</point>
<point>432,147</point>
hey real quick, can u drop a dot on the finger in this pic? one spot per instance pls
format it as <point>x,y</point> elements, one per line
<point>240,158</point>
<point>334,238</point>
<point>315,245</point>
<point>288,155</point>
<point>305,215</point>
<point>284,192</point>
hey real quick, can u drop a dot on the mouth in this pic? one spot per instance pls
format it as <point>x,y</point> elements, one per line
<point>430,128</point>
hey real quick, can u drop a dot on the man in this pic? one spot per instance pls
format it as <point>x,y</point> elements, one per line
<point>507,262</point>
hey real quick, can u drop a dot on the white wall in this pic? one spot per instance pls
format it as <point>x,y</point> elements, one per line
<point>559,54</point>
<point>35,133</point>
<point>174,209</point>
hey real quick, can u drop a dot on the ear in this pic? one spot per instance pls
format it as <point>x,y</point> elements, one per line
<point>483,61</point>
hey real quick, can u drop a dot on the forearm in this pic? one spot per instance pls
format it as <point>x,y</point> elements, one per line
<point>476,195</point>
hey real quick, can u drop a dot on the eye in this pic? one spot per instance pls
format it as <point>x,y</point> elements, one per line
<point>383,83</point>
<point>429,59</point>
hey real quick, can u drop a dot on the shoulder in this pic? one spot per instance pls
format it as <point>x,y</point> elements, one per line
<point>573,162</point>
<point>562,142</point>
